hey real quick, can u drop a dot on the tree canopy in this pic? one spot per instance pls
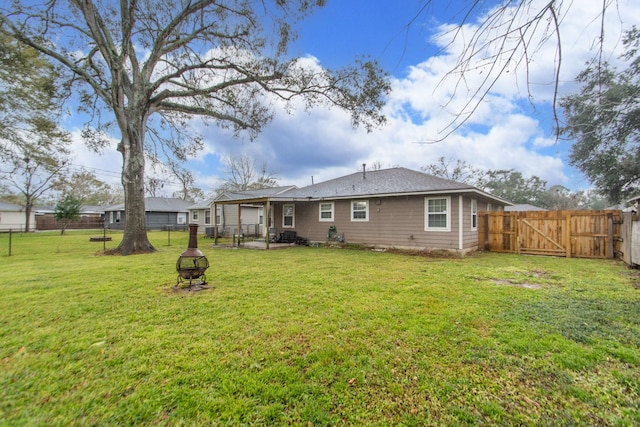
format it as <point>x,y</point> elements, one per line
<point>603,119</point>
<point>153,65</point>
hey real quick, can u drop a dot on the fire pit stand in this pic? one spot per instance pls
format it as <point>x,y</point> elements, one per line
<point>192,264</point>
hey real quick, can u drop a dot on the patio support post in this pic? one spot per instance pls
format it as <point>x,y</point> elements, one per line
<point>267,222</point>
<point>239,225</point>
<point>215,224</point>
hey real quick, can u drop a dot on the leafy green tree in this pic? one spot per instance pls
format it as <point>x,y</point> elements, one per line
<point>514,187</point>
<point>67,209</point>
<point>153,65</point>
<point>603,119</point>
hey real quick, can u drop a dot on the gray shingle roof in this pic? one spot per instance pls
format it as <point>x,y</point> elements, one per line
<point>158,204</point>
<point>10,207</point>
<point>379,182</point>
<point>255,194</point>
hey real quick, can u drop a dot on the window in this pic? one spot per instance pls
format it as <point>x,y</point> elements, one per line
<point>437,214</point>
<point>218,215</point>
<point>118,216</point>
<point>360,210</point>
<point>489,207</point>
<point>326,211</point>
<point>207,217</point>
<point>474,214</point>
<point>194,215</point>
<point>288,216</point>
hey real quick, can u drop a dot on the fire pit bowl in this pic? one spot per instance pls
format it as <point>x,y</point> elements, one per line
<point>192,264</point>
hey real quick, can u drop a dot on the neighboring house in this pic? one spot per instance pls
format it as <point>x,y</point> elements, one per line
<point>12,217</point>
<point>251,214</point>
<point>161,213</point>
<point>395,207</point>
<point>200,213</point>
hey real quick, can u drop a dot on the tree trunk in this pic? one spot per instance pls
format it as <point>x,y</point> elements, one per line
<point>134,240</point>
<point>27,210</point>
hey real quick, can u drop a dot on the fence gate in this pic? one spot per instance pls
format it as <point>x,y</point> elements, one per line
<point>587,234</point>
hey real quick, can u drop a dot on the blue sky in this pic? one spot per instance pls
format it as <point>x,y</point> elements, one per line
<point>506,131</point>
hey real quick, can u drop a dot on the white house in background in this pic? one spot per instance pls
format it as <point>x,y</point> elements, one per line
<point>12,217</point>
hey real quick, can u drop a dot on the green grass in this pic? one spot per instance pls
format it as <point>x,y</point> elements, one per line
<point>313,336</point>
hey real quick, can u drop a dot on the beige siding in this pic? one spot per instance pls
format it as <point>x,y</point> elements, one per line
<point>393,221</point>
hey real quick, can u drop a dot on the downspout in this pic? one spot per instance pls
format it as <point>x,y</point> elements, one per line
<point>460,224</point>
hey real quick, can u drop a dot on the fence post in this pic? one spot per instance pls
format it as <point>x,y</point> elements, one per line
<point>9,242</point>
<point>517,230</point>
<point>610,253</point>
<point>568,235</point>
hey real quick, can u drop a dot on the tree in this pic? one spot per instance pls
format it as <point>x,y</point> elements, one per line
<point>460,172</point>
<point>67,210</point>
<point>604,120</point>
<point>514,187</point>
<point>242,174</point>
<point>156,64</point>
<point>33,148</point>
<point>85,186</point>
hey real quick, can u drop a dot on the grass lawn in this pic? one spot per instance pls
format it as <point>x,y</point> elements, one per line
<point>313,336</point>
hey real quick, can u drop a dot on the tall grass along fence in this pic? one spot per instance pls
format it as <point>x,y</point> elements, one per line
<point>580,234</point>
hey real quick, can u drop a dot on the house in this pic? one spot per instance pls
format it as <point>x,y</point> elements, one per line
<point>251,214</point>
<point>13,217</point>
<point>161,213</point>
<point>395,207</point>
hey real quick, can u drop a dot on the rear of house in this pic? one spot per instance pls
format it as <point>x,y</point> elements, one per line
<point>395,207</point>
<point>447,222</point>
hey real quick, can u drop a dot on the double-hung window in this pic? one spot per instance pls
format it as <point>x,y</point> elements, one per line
<point>288,216</point>
<point>474,214</point>
<point>360,210</point>
<point>326,211</point>
<point>438,214</point>
<point>207,216</point>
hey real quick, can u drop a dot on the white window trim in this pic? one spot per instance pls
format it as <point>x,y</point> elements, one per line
<point>474,213</point>
<point>293,219</point>
<point>194,215</point>
<point>207,221</point>
<point>332,211</point>
<point>366,211</point>
<point>447,213</point>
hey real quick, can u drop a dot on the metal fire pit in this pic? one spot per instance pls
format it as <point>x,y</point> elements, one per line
<point>192,264</point>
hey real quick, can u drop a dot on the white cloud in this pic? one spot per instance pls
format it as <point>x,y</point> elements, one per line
<point>502,133</point>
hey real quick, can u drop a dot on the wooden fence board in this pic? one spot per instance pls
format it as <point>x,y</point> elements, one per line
<point>585,234</point>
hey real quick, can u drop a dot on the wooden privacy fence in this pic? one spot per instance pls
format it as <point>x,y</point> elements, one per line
<point>48,222</point>
<point>585,234</point>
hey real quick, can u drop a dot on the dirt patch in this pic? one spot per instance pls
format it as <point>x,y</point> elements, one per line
<point>186,289</point>
<point>511,282</point>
